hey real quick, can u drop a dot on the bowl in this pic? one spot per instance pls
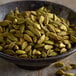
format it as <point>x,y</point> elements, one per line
<point>60,10</point>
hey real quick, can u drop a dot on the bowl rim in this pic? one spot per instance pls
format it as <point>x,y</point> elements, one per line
<point>39,59</point>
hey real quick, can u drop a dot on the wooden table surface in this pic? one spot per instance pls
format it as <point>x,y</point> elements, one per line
<point>9,69</point>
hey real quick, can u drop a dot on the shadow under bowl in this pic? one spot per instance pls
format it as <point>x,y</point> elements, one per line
<point>62,11</point>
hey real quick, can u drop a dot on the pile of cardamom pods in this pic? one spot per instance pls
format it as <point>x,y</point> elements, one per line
<point>35,34</point>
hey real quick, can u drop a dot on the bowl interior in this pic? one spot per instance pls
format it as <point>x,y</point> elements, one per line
<point>59,10</point>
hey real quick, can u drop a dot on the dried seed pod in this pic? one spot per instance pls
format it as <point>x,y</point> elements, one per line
<point>49,51</point>
<point>71,31</point>
<point>56,18</point>
<point>1,29</point>
<point>46,38</point>
<point>5,23</point>
<point>35,31</point>
<point>67,42</point>
<point>41,40</point>
<point>27,14</point>
<point>11,45</point>
<point>21,40</point>
<point>73,66</point>
<point>63,27</point>
<point>9,52</point>
<point>73,38</point>
<point>15,26</point>
<point>66,37</point>
<point>50,15</point>
<point>16,47</point>
<point>22,28</point>
<point>57,30</point>
<point>1,39</point>
<point>29,33</point>
<point>48,47</point>
<point>34,56</point>
<point>12,31</point>
<point>23,56</point>
<point>51,27</point>
<point>17,11</point>
<point>20,52</point>
<point>66,68</point>
<point>60,72</point>
<point>34,39</point>
<point>11,13</point>
<point>44,28</point>
<point>41,19</point>
<point>33,18</point>
<point>54,36</point>
<point>41,9</point>
<point>1,48</point>
<point>57,49</point>
<point>69,74</point>
<point>59,64</point>
<point>36,52</point>
<point>12,37</point>
<point>24,45</point>
<point>8,40</point>
<point>46,20</point>
<point>19,21</point>
<point>44,54</point>
<point>63,50</point>
<point>37,25</point>
<point>30,22</point>
<point>33,12</point>
<point>62,45</point>
<point>27,38</point>
<point>28,48</point>
<point>63,33</point>
<point>53,54</point>
<point>39,45</point>
<point>49,42</point>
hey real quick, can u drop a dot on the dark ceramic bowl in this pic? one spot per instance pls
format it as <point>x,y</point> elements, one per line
<point>60,10</point>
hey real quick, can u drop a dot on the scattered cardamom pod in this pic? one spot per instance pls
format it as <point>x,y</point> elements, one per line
<point>59,64</point>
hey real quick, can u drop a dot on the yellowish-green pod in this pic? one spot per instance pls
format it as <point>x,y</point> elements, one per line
<point>59,64</point>
<point>48,47</point>
<point>53,54</point>
<point>69,74</point>
<point>20,52</point>
<point>24,45</point>
<point>1,48</point>
<point>66,68</point>
<point>29,33</point>
<point>9,52</point>
<point>73,66</point>
<point>36,52</point>
<point>35,31</point>
<point>49,42</point>
<point>39,45</point>
<point>27,38</point>
<point>23,56</point>
<point>60,72</point>
<point>41,40</point>
<point>63,50</point>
